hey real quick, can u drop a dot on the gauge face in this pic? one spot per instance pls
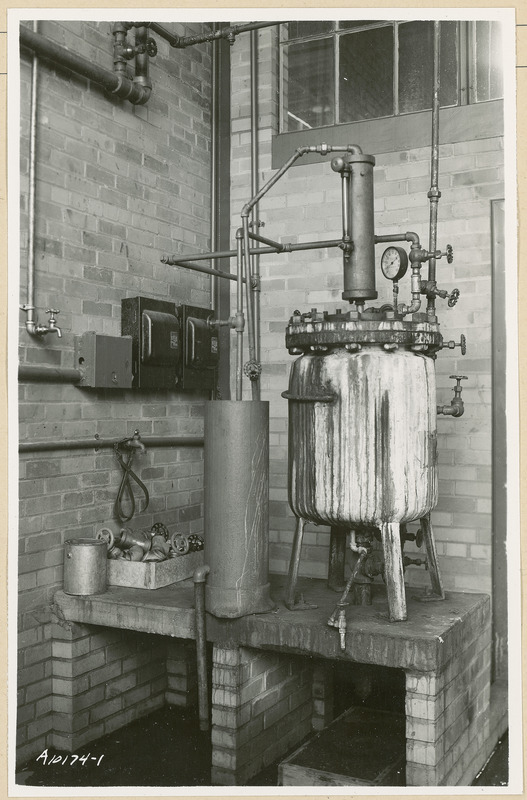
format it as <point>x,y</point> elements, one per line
<point>394,263</point>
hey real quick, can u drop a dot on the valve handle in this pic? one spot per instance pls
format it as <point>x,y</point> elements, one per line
<point>449,253</point>
<point>151,47</point>
<point>463,344</point>
<point>453,298</point>
<point>53,311</point>
<point>459,378</point>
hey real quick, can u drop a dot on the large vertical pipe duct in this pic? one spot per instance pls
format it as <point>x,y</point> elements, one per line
<point>236,507</point>
<point>359,269</point>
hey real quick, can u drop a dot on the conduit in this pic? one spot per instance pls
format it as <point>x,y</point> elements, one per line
<point>133,90</point>
<point>199,578</point>
<point>223,33</point>
<point>434,194</point>
<point>32,373</point>
<point>98,444</point>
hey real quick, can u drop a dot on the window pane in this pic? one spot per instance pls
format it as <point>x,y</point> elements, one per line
<point>299,29</point>
<point>308,74</point>
<point>416,56</point>
<point>366,75</point>
<point>356,23</point>
<point>488,83</point>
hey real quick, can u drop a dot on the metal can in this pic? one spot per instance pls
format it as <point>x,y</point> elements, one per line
<point>85,564</point>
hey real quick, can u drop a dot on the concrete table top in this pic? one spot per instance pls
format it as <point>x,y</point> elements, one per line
<point>426,641</point>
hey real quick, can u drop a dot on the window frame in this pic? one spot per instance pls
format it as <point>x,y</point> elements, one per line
<point>465,69</point>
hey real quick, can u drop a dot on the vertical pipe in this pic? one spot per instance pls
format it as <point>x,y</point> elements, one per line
<point>255,384</point>
<point>434,194</point>
<point>359,268</point>
<point>31,190</point>
<point>254,185</point>
<point>239,330</point>
<point>214,300</point>
<point>200,576</point>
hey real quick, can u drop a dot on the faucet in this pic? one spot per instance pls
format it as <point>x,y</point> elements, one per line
<point>135,443</point>
<point>35,328</point>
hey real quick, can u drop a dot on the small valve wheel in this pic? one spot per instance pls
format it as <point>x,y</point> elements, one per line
<point>107,536</point>
<point>159,529</point>
<point>453,298</point>
<point>180,544</point>
<point>151,47</point>
<point>253,370</point>
<point>449,253</point>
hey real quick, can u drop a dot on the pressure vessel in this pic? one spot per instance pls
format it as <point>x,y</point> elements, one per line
<point>362,436</point>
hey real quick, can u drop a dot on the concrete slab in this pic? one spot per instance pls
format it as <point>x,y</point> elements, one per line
<point>426,641</point>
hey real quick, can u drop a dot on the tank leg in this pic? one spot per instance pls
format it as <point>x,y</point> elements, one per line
<point>337,559</point>
<point>431,555</point>
<point>294,565</point>
<point>393,570</point>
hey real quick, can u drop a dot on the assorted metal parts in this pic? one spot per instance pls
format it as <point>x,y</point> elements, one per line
<point>151,544</point>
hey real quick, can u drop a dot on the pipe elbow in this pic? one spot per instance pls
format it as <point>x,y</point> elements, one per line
<point>200,573</point>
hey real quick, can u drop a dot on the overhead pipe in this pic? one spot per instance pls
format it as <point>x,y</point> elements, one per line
<point>101,444</point>
<point>229,33</point>
<point>135,91</point>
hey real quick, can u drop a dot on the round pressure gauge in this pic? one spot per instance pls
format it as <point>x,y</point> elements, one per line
<point>394,263</point>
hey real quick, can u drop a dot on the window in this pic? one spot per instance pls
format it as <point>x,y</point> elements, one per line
<point>340,72</point>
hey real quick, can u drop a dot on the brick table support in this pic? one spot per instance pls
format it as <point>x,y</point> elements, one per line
<point>261,708</point>
<point>447,713</point>
<point>103,679</point>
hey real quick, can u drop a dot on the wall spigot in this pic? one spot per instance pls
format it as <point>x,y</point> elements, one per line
<point>35,328</point>
<point>456,407</point>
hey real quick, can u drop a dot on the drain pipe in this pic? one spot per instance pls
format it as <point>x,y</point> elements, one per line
<point>199,578</point>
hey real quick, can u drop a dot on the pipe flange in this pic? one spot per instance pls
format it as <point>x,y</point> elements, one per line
<point>253,370</point>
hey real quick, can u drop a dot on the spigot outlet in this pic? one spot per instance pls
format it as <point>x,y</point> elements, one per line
<point>456,407</point>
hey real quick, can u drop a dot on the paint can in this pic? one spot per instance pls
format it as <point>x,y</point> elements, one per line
<point>85,564</point>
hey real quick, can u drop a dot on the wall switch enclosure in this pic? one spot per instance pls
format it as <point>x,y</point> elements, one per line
<point>200,348</point>
<point>106,361</point>
<point>155,329</point>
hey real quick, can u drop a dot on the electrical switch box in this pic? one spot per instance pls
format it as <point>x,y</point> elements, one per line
<point>200,348</point>
<point>105,361</point>
<point>155,328</point>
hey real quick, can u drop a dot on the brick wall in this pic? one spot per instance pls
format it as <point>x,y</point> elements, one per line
<point>261,707</point>
<point>305,206</point>
<point>117,186</point>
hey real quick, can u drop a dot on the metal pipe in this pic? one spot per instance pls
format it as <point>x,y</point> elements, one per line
<point>434,194</point>
<point>286,247</point>
<point>239,329</point>
<point>321,149</point>
<point>264,240</point>
<point>199,578</point>
<point>33,373</point>
<point>254,184</point>
<point>100,444</point>
<point>213,169</point>
<point>142,59</point>
<point>223,33</point>
<point>30,306</point>
<point>117,84</point>
<point>254,364</point>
